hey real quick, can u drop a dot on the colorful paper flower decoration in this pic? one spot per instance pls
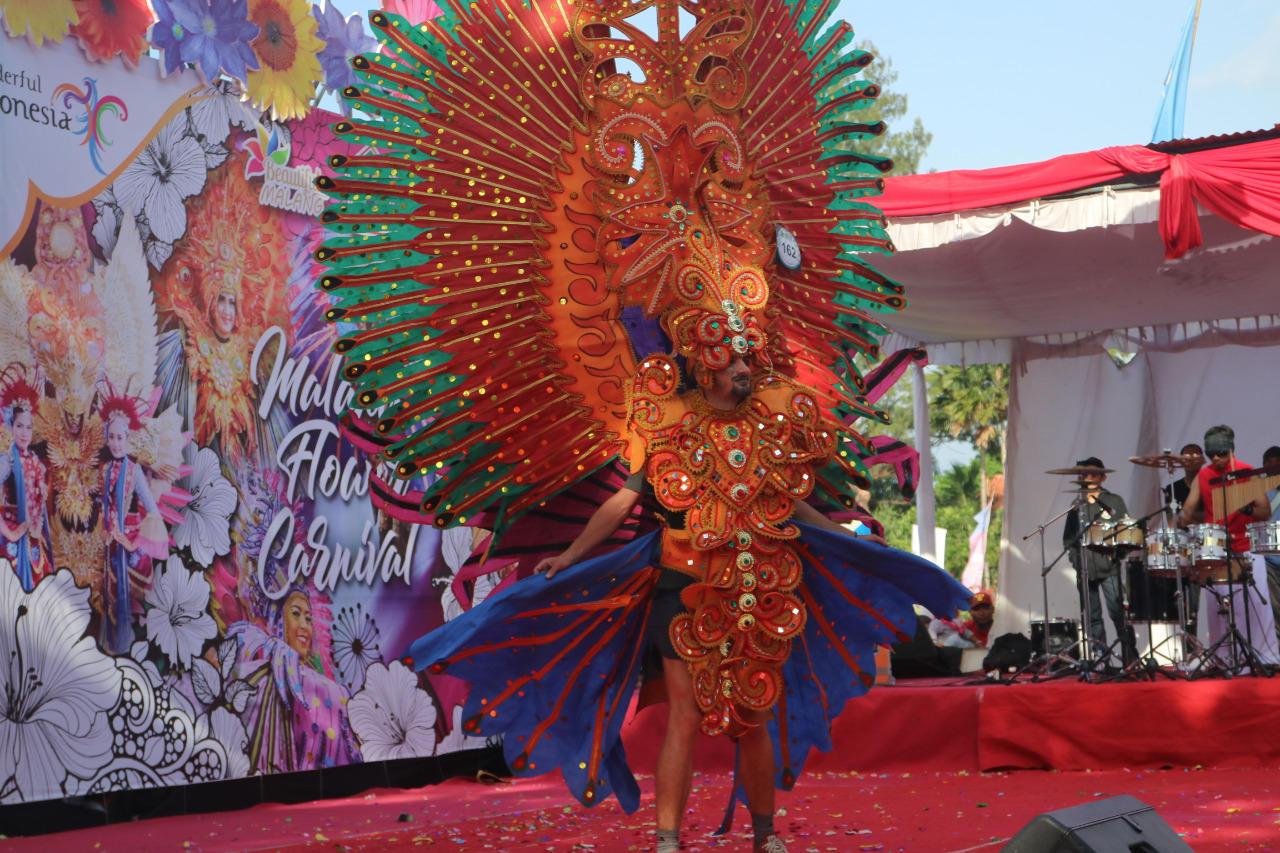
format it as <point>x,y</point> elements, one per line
<point>286,49</point>
<point>108,28</point>
<point>39,19</point>
<point>413,11</point>
<point>213,37</point>
<point>343,38</point>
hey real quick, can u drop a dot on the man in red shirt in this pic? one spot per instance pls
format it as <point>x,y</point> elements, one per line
<point>1219,447</point>
<point>982,613</point>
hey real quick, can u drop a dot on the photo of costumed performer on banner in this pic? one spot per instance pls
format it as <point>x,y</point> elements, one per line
<point>546,264</point>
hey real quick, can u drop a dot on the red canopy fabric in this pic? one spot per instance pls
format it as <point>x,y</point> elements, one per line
<point>1240,183</point>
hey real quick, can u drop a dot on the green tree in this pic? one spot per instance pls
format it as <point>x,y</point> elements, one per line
<point>972,404</point>
<point>906,145</point>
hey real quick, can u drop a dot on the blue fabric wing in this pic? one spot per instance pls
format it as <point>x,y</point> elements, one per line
<point>858,595</point>
<point>553,665</point>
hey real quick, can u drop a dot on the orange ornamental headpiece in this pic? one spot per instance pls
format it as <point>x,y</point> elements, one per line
<point>683,213</point>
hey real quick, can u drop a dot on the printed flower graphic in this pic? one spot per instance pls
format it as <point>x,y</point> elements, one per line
<point>228,732</point>
<point>286,49</point>
<point>221,109</point>
<point>343,39</point>
<point>58,689</point>
<point>39,19</point>
<point>110,27</point>
<point>206,524</point>
<point>355,644</point>
<point>178,622</point>
<point>167,172</point>
<point>214,37</point>
<point>391,717</point>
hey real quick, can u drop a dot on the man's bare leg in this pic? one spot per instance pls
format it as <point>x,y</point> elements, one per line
<point>674,774</point>
<point>757,770</point>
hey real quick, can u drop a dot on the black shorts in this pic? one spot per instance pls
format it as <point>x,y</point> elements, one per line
<point>666,607</point>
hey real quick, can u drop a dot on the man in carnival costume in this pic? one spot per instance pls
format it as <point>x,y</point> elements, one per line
<point>538,255</point>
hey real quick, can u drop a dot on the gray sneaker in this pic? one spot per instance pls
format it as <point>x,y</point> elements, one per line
<point>772,844</point>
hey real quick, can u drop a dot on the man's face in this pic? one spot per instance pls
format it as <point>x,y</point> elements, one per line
<point>733,381</point>
<point>1220,459</point>
<point>1093,482</point>
<point>983,614</point>
<point>1193,464</point>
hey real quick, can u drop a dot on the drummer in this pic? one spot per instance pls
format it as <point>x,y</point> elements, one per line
<point>1219,447</point>
<point>1098,506</point>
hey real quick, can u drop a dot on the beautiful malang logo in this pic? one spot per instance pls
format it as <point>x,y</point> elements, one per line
<point>270,145</point>
<point>283,186</point>
<point>95,110</point>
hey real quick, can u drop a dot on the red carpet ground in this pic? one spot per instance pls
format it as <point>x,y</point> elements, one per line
<point>1215,810</point>
<point>924,796</point>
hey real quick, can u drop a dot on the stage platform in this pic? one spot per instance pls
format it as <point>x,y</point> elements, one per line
<point>912,771</point>
<point>975,725</point>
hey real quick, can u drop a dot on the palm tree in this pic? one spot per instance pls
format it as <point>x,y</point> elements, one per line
<point>972,404</point>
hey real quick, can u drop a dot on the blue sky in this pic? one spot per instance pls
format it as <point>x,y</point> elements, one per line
<point>1000,82</point>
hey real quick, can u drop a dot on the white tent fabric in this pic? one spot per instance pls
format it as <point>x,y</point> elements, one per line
<point>1062,410</point>
<point>1051,271</point>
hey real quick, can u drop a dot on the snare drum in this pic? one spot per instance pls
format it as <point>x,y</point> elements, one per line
<point>1109,536</point>
<point>1264,537</point>
<point>1208,545</point>
<point>1168,552</point>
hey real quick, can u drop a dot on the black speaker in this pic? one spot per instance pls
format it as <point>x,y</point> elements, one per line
<point>1121,824</point>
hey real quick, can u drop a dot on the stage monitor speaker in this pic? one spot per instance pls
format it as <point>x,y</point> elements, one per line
<point>1119,825</point>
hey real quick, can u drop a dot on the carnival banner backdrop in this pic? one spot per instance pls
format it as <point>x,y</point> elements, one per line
<point>194,584</point>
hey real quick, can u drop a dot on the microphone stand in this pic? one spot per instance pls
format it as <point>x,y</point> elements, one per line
<point>1044,659</point>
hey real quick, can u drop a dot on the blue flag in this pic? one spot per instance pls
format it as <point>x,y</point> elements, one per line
<point>1174,103</point>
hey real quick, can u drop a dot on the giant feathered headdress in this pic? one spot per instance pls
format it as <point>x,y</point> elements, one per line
<point>557,190</point>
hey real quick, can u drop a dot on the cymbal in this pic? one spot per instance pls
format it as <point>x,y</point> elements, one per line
<point>1080,470</point>
<point>1164,460</point>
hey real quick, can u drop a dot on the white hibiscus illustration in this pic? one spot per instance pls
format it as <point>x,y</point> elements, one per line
<point>221,109</point>
<point>178,622</point>
<point>457,740</point>
<point>106,224</point>
<point>58,689</point>
<point>206,520</point>
<point>169,170</point>
<point>224,731</point>
<point>391,717</point>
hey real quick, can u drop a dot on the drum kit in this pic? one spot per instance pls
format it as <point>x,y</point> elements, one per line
<point>1163,562</point>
